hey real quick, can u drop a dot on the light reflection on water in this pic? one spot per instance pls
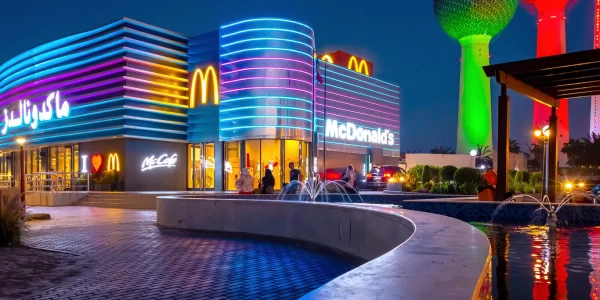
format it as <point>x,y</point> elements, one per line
<point>531,262</point>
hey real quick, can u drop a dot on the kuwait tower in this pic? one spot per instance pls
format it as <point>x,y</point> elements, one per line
<point>551,40</point>
<point>473,23</point>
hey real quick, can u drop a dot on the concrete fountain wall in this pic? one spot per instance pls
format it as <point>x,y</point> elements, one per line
<point>409,254</point>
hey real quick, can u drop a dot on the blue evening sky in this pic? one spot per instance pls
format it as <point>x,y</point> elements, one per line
<point>401,37</point>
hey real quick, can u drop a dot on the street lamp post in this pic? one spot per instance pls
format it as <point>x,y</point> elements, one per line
<point>543,134</point>
<point>21,142</point>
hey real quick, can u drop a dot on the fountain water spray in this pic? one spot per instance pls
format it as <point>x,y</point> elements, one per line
<point>312,190</point>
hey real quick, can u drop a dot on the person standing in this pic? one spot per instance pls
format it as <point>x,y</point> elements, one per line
<point>268,182</point>
<point>244,184</point>
<point>350,179</point>
<point>294,176</point>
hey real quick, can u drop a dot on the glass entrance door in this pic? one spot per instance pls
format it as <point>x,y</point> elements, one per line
<point>201,166</point>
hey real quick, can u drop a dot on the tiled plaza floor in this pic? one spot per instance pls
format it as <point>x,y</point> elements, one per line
<point>134,259</point>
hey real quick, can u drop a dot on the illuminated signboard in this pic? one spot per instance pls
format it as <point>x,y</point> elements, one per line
<point>163,161</point>
<point>209,74</point>
<point>113,163</point>
<point>351,132</point>
<point>30,114</point>
<point>97,161</point>
<point>361,67</point>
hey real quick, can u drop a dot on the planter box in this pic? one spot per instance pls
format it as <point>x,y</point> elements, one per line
<point>394,186</point>
<point>102,187</point>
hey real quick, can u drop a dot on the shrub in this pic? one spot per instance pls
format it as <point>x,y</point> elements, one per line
<point>426,177</point>
<point>12,220</point>
<point>512,174</point>
<point>524,175</point>
<point>469,188</point>
<point>518,177</point>
<point>451,189</point>
<point>440,188</point>
<point>434,172</point>
<point>415,174</point>
<point>535,178</point>
<point>464,175</point>
<point>397,176</point>
<point>447,173</point>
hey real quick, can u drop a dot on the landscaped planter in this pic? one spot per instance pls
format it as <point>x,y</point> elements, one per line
<point>394,186</point>
<point>101,187</point>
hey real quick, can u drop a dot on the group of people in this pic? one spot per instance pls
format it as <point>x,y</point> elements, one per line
<point>245,183</point>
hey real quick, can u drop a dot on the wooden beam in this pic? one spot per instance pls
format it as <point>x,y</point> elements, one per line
<point>525,89</point>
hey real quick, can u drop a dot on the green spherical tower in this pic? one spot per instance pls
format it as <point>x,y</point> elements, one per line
<point>473,23</point>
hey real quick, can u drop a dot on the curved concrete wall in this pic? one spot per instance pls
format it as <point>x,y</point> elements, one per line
<point>435,251</point>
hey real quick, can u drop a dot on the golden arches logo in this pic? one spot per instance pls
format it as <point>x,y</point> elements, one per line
<point>113,163</point>
<point>358,67</point>
<point>209,73</point>
<point>327,58</point>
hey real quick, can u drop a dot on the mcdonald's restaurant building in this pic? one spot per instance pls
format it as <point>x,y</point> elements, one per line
<point>169,112</point>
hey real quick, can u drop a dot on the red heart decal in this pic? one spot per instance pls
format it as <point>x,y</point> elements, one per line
<point>96,162</point>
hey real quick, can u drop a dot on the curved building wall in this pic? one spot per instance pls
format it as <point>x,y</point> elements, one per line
<point>266,80</point>
<point>125,79</point>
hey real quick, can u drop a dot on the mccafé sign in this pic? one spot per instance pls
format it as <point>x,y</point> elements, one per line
<point>351,132</point>
<point>162,161</point>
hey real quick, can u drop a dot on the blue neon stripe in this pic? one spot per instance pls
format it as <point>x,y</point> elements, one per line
<point>345,144</point>
<point>267,29</point>
<point>255,49</point>
<point>266,97</point>
<point>67,134</point>
<point>268,117</point>
<point>353,78</point>
<point>370,77</point>
<point>351,91</point>
<point>364,88</point>
<point>264,126</point>
<point>267,39</point>
<point>266,19</point>
<point>265,106</point>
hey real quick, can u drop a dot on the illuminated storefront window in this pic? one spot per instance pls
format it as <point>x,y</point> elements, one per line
<point>231,166</point>
<point>201,166</point>
<point>276,155</point>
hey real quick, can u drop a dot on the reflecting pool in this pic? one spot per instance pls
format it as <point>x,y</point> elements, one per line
<point>531,262</point>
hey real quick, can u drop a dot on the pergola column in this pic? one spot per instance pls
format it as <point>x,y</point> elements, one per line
<point>553,156</point>
<point>503,143</point>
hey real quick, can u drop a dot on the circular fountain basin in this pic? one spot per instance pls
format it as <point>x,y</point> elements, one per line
<point>409,254</point>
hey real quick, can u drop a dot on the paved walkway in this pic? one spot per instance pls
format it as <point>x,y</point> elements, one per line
<point>134,259</point>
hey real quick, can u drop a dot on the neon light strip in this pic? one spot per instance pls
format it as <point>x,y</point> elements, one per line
<point>364,88</point>
<point>67,134</point>
<point>266,117</point>
<point>362,120</point>
<point>261,49</point>
<point>265,88</point>
<point>266,78</point>
<point>155,65</point>
<point>155,92</point>
<point>329,99</point>
<point>62,85</point>
<point>266,68</point>
<point>156,129</point>
<point>154,74</point>
<point>364,81</point>
<point>266,106</point>
<point>267,39</point>
<point>165,85</point>
<point>353,72</point>
<point>266,19</point>
<point>362,146</point>
<point>266,58</point>
<point>264,126</point>
<point>130,98</point>
<point>266,29</point>
<point>155,120</point>
<point>597,26</point>
<point>355,112</point>
<point>370,102</point>
<point>320,121</point>
<point>266,97</point>
<point>351,91</point>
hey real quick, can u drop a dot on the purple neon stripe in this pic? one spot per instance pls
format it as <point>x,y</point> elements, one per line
<point>380,124</point>
<point>370,102</point>
<point>329,99</point>
<point>355,112</point>
<point>61,76</point>
<point>92,86</point>
<point>266,87</point>
<point>60,86</point>
<point>266,68</point>
<point>266,58</point>
<point>265,77</point>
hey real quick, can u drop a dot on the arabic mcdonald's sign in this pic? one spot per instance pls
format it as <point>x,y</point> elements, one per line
<point>349,61</point>
<point>209,74</point>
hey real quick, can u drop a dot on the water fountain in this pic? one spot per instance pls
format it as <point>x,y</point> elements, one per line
<point>313,190</point>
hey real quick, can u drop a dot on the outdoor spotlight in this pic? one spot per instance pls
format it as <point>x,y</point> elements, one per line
<point>581,184</point>
<point>21,141</point>
<point>402,179</point>
<point>569,185</point>
<point>473,152</point>
<point>537,132</point>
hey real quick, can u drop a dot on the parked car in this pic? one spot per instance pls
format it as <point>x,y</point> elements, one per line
<point>338,174</point>
<point>378,177</point>
<point>596,190</point>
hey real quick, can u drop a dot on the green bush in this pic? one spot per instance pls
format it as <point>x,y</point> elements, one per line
<point>512,174</point>
<point>434,172</point>
<point>451,189</point>
<point>426,177</point>
<point>464,175</point>
<point>447,173</point>
<point>535,178</point>
<point>12,220</point>
<point>414,175</point>
<point>469,188</point>
<point>518,177</point>
<point>524,175</point>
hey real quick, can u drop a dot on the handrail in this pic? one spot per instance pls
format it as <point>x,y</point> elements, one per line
<point>57,181</point>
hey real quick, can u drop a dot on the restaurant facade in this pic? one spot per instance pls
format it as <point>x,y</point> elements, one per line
<point>168,112</point>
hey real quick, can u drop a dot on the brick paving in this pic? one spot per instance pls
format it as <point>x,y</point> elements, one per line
<point>135,259</point>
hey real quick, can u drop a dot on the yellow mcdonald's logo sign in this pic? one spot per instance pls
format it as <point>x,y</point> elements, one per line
<point>113,162</point>
<point>209,73</point>
<point>358,67</point>
<point>327,58</point>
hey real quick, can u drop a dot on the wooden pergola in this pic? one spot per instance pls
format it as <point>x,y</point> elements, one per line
<point>545,80</point>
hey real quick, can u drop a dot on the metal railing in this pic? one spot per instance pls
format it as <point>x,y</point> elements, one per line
<point>6,181</point>
<point>57,181</point>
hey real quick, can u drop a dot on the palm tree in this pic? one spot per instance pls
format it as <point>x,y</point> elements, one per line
<point>413,151</point>
<point>484,156</point>
<point>535,155</point>
<point>514,147</point>
<point>442,150</point>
